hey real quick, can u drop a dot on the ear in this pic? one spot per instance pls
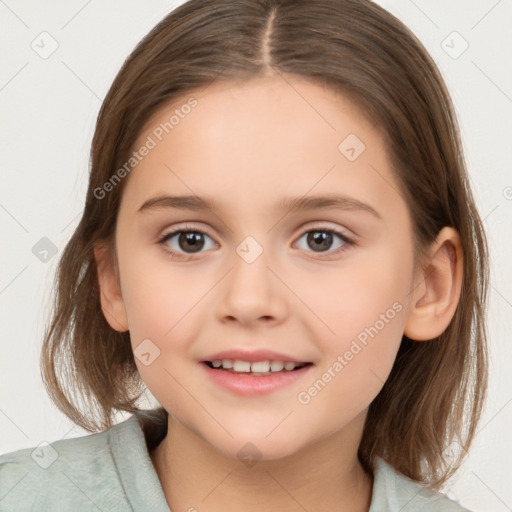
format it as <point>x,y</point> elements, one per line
<point>437,288</point>
<point>112,303</point>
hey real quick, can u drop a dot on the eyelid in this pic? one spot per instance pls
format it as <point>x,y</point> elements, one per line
<point>324,226</point>
<point>319,225</point>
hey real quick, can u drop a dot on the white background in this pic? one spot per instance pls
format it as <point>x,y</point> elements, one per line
<point>48,110</point>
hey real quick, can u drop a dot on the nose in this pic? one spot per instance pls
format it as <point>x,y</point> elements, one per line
<point>251,292</point>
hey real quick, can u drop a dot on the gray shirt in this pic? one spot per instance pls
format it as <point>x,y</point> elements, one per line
<point>112,471</point>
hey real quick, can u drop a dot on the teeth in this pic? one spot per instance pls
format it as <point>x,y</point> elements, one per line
<point>276,366</point>
<point>262,367</point>
<point>257,367</point>
<point>241,366</point>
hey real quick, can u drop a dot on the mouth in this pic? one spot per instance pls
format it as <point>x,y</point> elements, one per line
<point>255,369</point>
<point>257,377</point>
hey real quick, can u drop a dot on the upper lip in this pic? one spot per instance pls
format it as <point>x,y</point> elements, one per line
<point>253,356</point>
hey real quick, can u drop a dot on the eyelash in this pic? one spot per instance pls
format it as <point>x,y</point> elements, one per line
<point>348,242</point>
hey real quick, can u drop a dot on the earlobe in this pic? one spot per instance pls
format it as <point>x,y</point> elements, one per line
<point>112,303</point>
<point>437,289</point>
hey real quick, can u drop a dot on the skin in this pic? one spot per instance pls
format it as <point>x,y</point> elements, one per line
<point>248,145</point>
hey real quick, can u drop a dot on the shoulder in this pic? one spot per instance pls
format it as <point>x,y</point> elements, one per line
<point>394,491</point>
<point>68,474</point>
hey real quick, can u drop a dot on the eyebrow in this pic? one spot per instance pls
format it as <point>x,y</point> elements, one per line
<point>292,204</point>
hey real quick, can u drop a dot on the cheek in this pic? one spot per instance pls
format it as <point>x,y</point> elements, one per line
<point>156,293</point>
<point>163,310</point>
<point>349,299</point>
<point>164,304</point>
<point>363,312</point>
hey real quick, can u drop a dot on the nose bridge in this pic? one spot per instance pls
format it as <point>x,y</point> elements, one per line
<point>251,288</point>
<point>250,275</point>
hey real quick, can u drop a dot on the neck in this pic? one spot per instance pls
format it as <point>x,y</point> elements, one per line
<point>325,475</point>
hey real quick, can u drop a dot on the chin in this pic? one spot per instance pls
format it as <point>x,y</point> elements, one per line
<point>252,449</point>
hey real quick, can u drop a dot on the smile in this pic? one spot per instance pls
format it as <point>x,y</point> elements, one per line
<point>253,379</point>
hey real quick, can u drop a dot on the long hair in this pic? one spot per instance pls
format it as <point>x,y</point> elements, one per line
<point>436,389</point>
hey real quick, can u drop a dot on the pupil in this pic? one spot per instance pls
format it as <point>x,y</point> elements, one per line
<point>194,239</point>
<point>322,239</point>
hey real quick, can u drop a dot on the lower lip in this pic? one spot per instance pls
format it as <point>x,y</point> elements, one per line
<point>247,385</point>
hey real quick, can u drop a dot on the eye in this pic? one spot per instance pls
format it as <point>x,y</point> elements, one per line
<point>187,241</point>
<point>190,240</point>
<point>321,239</point>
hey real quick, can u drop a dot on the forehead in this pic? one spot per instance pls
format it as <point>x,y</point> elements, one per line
<point>264,99</point>
<point>259,140</point>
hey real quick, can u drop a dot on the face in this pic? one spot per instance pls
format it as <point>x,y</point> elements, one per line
<point>327,284</point>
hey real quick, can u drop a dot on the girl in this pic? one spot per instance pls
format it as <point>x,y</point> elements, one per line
<point>321,344</point>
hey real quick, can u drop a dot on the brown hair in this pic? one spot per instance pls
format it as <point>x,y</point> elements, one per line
<point>436,389</point>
